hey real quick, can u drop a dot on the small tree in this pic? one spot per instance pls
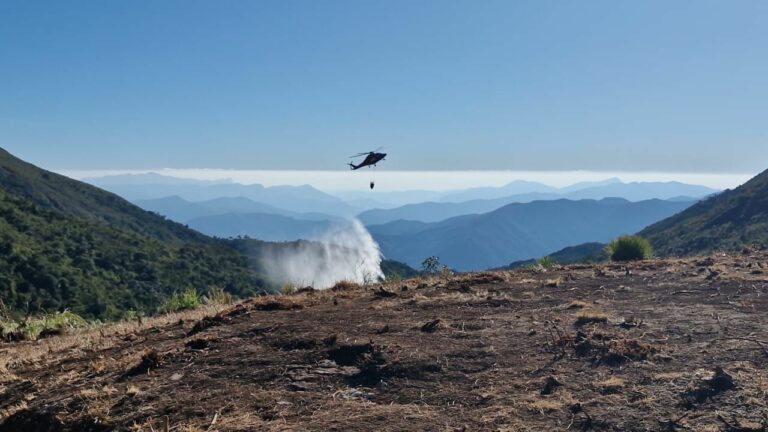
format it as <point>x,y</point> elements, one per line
<point>629,248</point>
<point>431,265</point>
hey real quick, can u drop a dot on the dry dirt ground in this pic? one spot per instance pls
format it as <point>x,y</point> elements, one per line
<point>655,345</point>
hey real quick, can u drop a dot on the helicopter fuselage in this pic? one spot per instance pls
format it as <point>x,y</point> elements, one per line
<point>371,159</point>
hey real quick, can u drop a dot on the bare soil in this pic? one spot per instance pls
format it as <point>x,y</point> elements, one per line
<point>659,345</point>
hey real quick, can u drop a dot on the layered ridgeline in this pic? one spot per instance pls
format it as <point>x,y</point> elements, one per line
<point>484,200</point>
<point>727,221</point>
<point>66,244</point>
<point>518,231</point>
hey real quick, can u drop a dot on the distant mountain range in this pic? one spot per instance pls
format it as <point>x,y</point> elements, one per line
<point>517,231</point>
<point>301,199</point>
<point>727,221</point>
<point>263,226</point>
<point>437,211</point>
<point>181,210</point>
<point>237,216</point>
<point>516,187</point>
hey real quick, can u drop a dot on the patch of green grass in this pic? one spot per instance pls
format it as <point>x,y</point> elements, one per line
<point>288,288</point>
<point>8,327</point>
<point>629,248</point>
<point>33,328</point>
<point>189,299</point>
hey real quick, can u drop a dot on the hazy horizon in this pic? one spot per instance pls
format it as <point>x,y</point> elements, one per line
<point>391,181</point>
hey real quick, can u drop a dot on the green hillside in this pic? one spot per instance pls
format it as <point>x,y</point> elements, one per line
<point>52,261</point>
<point>728,221</point>
<point>68,245</point>
<point>71,197</point>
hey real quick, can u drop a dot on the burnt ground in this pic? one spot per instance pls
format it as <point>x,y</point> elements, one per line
<point>655,345</point>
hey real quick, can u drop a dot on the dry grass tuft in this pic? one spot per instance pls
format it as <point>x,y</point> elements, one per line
<point>546,405</point>
<point>344,285</point>
<point>89,393</point>
<point>18,354</point>
<point>611,385</point>
<point>576,304</point>
<point>668,376</point>
<point>590,316</point>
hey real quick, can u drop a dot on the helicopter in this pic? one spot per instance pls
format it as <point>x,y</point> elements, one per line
<point>371,159</point>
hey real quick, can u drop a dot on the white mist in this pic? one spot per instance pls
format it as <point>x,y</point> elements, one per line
<point>345,252</point>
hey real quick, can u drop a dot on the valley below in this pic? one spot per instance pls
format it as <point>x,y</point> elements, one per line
<point>664,345</point>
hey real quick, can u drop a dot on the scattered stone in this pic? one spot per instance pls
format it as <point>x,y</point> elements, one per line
<point>717,381</point>
<point>382,293</point>
<point>149,360</point>
<point>431,326</point>
<point>330,340</point>
<point>274,305</point>
<point>550,385</point>
<point>198,344</point>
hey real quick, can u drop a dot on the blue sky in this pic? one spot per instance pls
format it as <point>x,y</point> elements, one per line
<point>678,86</point>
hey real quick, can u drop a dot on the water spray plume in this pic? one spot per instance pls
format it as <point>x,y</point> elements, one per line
<point>345,252</point>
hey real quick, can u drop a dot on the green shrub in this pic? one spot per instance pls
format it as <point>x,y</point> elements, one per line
<point>33,328</point>
<point>7,328</point>
<point>189,299</point>
<point>546,262</point>
<point>629,248</point>
<point>430,265</point>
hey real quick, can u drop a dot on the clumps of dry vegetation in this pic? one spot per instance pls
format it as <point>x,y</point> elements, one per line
<point>604,348</point>
<point>611,385</point>
<point>364,363</point>
<point>590,316</point>
<point>576,304</point>
<point>150,360</point>
<point>345,285</point>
